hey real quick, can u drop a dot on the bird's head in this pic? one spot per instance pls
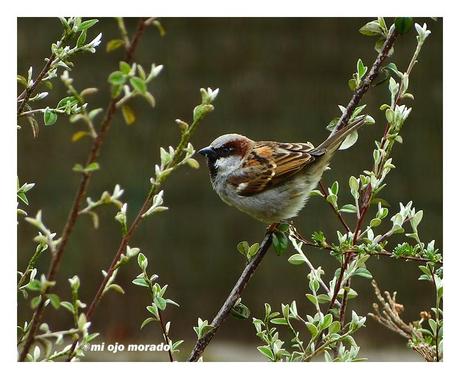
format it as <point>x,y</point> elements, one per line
<point>226,153</point>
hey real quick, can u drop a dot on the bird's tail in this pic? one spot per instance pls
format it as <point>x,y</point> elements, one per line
<point>333,142</point>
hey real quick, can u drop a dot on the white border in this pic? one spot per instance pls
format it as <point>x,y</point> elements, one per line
<point>286,8</point>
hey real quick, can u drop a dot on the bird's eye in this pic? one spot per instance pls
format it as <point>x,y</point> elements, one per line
<point>226,150</point>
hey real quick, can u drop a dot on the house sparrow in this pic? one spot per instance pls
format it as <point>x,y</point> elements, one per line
<point>270,181</point>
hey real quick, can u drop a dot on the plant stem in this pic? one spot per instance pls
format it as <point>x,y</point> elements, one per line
<point>234,295</point>
<point>154,189</point>
<point>203,342</point>
<point>373,72</point>
<point>165,336</point>
<point>336,211</point>
<point>365,200</point>
<point>81,191</point>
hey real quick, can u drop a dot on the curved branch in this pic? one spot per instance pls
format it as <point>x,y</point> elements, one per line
<point>249,270</point>
<point>234,295</point>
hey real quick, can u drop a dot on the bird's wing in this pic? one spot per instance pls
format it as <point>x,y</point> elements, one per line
<point>270,164</point>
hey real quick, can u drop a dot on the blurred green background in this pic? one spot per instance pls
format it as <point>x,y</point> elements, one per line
<point>279,79</point>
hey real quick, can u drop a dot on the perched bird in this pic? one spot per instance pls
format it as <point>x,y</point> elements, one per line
<point>270,181</point>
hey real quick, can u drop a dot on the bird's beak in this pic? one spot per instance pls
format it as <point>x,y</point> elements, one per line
<point>208,152</point>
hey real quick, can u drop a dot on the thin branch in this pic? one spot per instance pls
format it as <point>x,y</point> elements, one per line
<point>353,103</point>
<point>81,191</point>
<point>23,98</point>
<point>362,89</point>
<point>203,342</point>
<point>336,211</point>
<point>165,336</point>
<point>154,190</point>
<point>234,295</point>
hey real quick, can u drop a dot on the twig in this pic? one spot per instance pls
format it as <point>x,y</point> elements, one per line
<point>234,295</point>
<point>154,190</point>
<point>203,342</point>
<point>390,318</point>
<point>165,336</point>
<point>81,191</point>
<point>23,98</point>
<point>362,89</point>
<point>388,44</point>
<point>336,211</point>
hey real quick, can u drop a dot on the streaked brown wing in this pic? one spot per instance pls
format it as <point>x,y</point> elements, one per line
<point>270,164</point>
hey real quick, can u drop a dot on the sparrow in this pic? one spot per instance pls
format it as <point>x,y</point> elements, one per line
<point>270,181</point>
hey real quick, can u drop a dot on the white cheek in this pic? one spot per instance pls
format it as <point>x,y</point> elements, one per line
<point>227,165</point>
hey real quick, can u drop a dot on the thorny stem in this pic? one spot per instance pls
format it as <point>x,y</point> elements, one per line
<point>81,191</point>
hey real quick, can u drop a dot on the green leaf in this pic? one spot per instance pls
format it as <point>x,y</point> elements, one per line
<point>334,327</point>
<point>117,78</point>
<point>360,68</point>
<point>372,29</point>
<point>242,247</point>
<point>323,298</point>
<point>67,101</point>
<point>21,80</point>
<point>138,84</point>
<point>68,306</point>
<point>335,188</point>
<point>153,309</point>
<point>35,301</point>
<point>169,301</point>
<point>253,250</point>
<point>361,271</point>
<point>280,242</point>
<point>266,351</point>
<point>279,321</point>
<point>125,68</point>
<point>79,135</point>
<point>116,288</point>
<point>352,84</point>
<point>296,259</point>
<point>403,24</point>
<point>142,261</point>
<point>87,24</point>
<point>240,311</point>
<point>160,28</point>
<point>49,117</point>
<point>93,166</point>
<point>114,44</point>
<point>128,114</point>
<point>312,298</point>
<point>160,303</point>
<point>81,39</point>
<point>326,321</point>
<point>140,282</point>
<point>55,301</point>
<point>22,196</point>
<point>349,140</point>
<point>375,222</point>
<point>175,345</point>
<point>348,208</point>
<point>312,329</point>
<point>147,321</point>
<point>34,285</point>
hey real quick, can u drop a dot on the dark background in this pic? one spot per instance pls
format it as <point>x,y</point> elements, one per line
<point>279,79</point>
